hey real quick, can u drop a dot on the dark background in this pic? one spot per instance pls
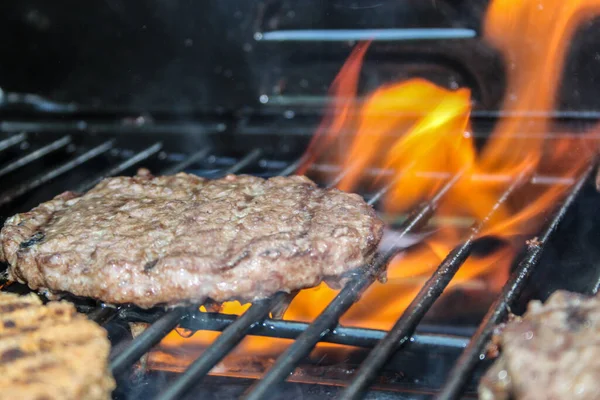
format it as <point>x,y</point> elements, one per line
<point>187,56</point>
<point>201,56</point>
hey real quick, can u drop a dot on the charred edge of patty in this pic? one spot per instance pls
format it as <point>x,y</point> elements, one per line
<point>37,238</point>
<point>28,231</point>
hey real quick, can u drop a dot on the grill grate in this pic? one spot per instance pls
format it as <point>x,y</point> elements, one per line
<point>499,310</point>
<point>255,320</point>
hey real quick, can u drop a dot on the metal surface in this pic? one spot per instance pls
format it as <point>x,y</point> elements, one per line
<point>48,176</point>
<point>344,35</point>
<point>445,336</point>
<point>187,162</point>
<point>475,351</point>
<point>121,167</point>
<point>11,141</point>
<point>102,315</point>
<point>35,155</point>
<point>224,343</point>
<point>243,163</point>
<point>124,359</point>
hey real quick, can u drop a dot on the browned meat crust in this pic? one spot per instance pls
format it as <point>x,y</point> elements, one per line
<point>553,352</point>
<point>172,239</point>
<point>51,352</point>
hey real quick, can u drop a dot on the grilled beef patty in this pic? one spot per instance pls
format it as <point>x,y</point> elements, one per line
<point>177,239</point>
<point>51,352</point>
<point>550,353</point>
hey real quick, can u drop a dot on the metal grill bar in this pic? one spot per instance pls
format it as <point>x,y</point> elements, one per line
<point>224,343</point>
<point>475,351</point>
<point>146,340</point>
<point>35,155</point>
<point>103,314</point>
<point>422,302</point>
<point>11,141</point>
<point>66,167</point>
<point>117,169</point>
<point>293,167</point>
<point>349,336</point>
<point>197,156</point>
<point>243,163</point>
<point>339,178</point>
<point>327,320</point>
<point>444,175</point>
<point>596,288</point>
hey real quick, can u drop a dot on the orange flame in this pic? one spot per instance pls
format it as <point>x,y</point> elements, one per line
<point>421,132</point>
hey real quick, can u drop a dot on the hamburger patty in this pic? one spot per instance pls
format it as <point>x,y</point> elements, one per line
<point>553,352</point>
<point>51,352</point>
<point>178,239</point>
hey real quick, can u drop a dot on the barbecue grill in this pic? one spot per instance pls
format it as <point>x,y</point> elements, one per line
<point>56,136</point>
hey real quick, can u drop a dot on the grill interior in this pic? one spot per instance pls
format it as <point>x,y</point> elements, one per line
<point>36,165</point>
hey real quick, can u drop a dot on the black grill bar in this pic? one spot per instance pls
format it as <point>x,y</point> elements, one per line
<point>373,172</point>
<point>328,319</point>
<point>192,159</point>
<point>380,193</point>
<point>117,169</point>
<point>54,173</point>
<point>35,155</point>
<point>596,288</point>
<point>102,314</point>
<point>349,336</point>
<point>11,141</point>
<point>339,177</point>
<point>293,167</point>
<point>146,340</point>
<point>224,343</point>
<point>461,372</point>
<point>243,163</point>
<point>428,294</point>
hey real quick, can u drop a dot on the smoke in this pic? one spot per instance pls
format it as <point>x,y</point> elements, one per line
<point>395,240</point>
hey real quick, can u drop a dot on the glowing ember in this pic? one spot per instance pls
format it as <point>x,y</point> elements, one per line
<point>421,132</point>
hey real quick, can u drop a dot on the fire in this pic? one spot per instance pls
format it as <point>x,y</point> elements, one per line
<point>421,132</point>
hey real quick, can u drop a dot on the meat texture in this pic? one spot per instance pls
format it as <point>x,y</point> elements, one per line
<point>179,239</point>
<point>553,352</point>
<point>51,352</point>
